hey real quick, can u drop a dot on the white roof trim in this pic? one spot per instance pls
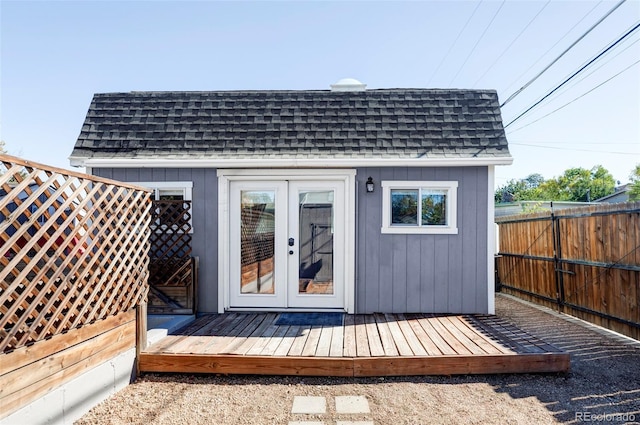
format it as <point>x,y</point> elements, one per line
<point>285,162</point>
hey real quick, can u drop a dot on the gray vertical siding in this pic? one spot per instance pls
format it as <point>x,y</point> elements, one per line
<point>395,273</point>
<point>423,273</point>
<point>205,219</point>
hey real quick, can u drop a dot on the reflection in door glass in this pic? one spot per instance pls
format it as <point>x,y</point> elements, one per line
<point>316,242</point>
<point>257,229</point>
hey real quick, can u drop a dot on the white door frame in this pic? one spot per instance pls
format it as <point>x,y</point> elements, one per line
<point>225,176</point>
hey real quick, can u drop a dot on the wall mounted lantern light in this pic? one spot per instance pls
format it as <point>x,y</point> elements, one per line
<point>370,185</point>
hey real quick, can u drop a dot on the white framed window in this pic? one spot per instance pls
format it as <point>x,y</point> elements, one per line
<point>419,207</point>
<point>170,191</point>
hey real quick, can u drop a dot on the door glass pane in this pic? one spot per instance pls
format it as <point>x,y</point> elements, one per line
<point>257,230</point>
<point>315,235</point>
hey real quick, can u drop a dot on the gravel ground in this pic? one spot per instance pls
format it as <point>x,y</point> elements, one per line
<point>603,387</point>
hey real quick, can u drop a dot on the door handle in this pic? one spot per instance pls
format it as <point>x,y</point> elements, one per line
<point>291,241</point>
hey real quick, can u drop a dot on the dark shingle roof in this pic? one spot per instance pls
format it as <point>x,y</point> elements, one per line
<point>389,123</point>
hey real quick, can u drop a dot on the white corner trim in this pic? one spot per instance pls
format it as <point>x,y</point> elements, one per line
<point>491,243</point>
<point>223,243</point>
<point>350,246</point>
<point>285,162</point>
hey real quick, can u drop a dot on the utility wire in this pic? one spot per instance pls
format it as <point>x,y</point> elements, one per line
<point>512,43</point>
<point>478,41</point>
<point>517,92</point>
<point>554,45</point>
<point>582,95</point>
<point>454,43</point>
<point>575,83</point>
<point>628,33</point>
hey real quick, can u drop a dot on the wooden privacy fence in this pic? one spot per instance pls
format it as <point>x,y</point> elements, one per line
<point>585,261</point>
<point>74,256</point>
<point>173,271</point>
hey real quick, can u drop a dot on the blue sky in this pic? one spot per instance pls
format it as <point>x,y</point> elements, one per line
<point>56,54</point>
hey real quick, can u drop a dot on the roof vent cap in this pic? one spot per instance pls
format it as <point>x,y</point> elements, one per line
<point>348,84</point>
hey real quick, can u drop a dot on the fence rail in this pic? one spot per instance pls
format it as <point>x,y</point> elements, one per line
<point>585,261</point>
<point>74,250</point>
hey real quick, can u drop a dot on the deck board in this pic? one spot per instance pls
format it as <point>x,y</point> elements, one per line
<point>410,336</point>
<point>364,345</point>
<point>324,342</point>
<point>428,344</point>
<point>362,342</point>
<point>274,342</point>
<point>287,341</point>
<point>434,336</point>
<point>311,344</point>
<point>373,336</point>
<point>398,337</point>
<point>299,341</point>
<point>349,337</point>
<point>489,346</point>
<point>460,336</point>
<point>385,336</point>
<point>337,342</point>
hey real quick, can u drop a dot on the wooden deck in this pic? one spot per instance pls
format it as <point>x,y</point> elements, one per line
<point>365,345</point>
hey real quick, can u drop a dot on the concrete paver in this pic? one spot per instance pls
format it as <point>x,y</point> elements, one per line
<point>354,423</point>
<point>309,405</point>
<point>352,404</point>
<point>305,423</point>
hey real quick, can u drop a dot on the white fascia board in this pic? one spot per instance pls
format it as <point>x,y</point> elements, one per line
<point>286,162</point>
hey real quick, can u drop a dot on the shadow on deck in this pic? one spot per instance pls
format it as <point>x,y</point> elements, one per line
<point>363,345</point>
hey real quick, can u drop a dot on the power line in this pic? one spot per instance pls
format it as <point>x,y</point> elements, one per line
<point>573,100</point>
<point>575,73</point>
<point>478,42</point>
<point>512,43</point>
<point>554,45</point>
<point>454,43</point>
<point>596,69</point>
<point>517,92</point>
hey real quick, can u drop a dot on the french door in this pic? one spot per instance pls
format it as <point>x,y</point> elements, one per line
<point>287,244</point>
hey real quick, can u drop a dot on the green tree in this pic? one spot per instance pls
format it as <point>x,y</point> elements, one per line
<point>520,190</point>
<point>575,184</point>
<point>634,193</point>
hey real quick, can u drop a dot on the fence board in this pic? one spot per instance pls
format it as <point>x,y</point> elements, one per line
<point>595,270</point>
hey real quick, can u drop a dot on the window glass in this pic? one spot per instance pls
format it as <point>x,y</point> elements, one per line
<point>428,207</point>
<point>404,206</point>
<point>170,194</point>
<point>434,204</point>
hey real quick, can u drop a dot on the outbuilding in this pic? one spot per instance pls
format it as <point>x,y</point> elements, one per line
<point>345,199</point>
